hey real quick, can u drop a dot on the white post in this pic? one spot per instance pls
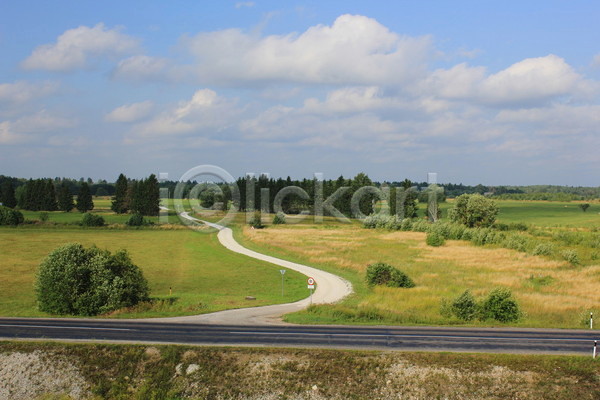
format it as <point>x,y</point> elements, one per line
<point>595,345</point>
<point>591,320</point>
<point>282,271</point>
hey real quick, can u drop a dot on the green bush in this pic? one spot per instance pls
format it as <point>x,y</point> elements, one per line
<point>435,239</point>
<point>516,242</point>
<point>92,220</point>
<point>501,306</point>
<point>385,274</point>
<point>543,249</point>
<point>74,280</point>
<point>137,219</point>
<point>44,216</point>
<point>279,219</point>
<point>474,210</point>
<point>465,307</point>
<point>406,224</point>
<point>256,221</point>
<point>420,225</point>
<point>8,216</point>
<point>570,256</point>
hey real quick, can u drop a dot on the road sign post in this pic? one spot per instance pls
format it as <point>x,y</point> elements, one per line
<point>282,271</point>
<point>311,286</point>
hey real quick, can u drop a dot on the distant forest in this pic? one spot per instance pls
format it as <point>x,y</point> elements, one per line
<point>451,190</point>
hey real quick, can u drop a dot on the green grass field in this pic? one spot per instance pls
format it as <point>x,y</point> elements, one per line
<point>203,275</point>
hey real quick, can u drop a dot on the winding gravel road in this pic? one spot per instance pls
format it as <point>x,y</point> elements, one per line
<point>330,288</point>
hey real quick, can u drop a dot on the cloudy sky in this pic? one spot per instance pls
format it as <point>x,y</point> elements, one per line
<point>507,93</point>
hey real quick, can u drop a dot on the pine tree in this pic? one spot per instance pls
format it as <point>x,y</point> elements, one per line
<point>8,195</point>
<point>84,199</point>
<point>151,196</point>
<point>65,198</point>
<point>134,197</point>
<point>49,197</point>
<point>119,201</point>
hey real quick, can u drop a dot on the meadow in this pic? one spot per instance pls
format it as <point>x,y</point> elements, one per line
<point>202,275</point>
<point>551,292</point>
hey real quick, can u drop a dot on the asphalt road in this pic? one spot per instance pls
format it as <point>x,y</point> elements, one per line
<point>357,337</point>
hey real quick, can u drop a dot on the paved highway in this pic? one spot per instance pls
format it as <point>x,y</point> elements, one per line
<point>356,337</point>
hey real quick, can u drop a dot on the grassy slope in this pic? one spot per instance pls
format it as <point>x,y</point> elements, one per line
<point>204,276</point>
<point>144,372</point>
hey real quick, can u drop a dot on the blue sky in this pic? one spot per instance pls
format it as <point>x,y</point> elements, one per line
<point>479,92</point>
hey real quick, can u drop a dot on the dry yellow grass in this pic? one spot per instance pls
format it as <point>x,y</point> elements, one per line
<point>564,298</point>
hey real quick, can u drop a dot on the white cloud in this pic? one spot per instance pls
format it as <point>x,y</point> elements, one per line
<point>142,67</point>
<point>130,112</point>
<point>242,4</point>
<point>28,128</point>
<point>532,79</point>
<point>21,92</point>
<point>205,113</point>
<point>529,82</point>
<point>73,49</point>
<point>354,50</point>
<point>596,61</point>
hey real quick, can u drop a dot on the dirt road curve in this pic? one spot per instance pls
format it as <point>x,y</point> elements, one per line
<point>330,289</point>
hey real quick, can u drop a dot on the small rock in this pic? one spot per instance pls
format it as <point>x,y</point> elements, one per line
<point>191,369</point>
<point>179,369</point>
<point>250,298</point>
<point>315,388</point>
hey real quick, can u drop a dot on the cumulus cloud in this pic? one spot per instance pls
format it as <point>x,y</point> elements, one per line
<point>75,47</point>
<point>130,112</point>
<point>354,50</point>
<point>21,91</point>
<point>205,113</point>
<point>529,82</point>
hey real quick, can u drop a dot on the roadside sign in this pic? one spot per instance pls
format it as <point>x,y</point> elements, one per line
<point>311,286</point>
<point>311,281</point>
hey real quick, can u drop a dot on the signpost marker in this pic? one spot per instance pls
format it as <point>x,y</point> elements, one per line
<point>282,271</point>
<point>311,286</point>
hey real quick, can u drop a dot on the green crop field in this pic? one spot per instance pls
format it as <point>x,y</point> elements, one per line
<point>203,275</point>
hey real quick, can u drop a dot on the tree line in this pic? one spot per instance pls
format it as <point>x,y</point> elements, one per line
<point>140,197</point>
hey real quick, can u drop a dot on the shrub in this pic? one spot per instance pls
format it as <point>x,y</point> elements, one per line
<point>8,216</point>
<point>516,242</point>
<point>465,307</point>
<point>256,221</point>
<point>543,249</point>
<point>420,225</point>
<point>480,236</point>
<point>92,220</point>
<point>456,232</point>
<point>435,239</point>
<point>137,219</point>
<point>406,224</point>
<point>78,281</point>
<point>393,223</point>
<point>279,219</point>
<point>44,216</point>
<point>570,256</point>
<point>385,274</point>
<point>501,306</point>
<point>474,210</point>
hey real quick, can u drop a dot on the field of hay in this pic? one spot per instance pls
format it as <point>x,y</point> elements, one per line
<point>551,292</point>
